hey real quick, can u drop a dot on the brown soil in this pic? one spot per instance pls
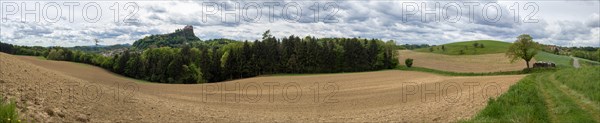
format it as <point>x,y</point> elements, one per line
<point>463,63</point>
<point>71,92</point>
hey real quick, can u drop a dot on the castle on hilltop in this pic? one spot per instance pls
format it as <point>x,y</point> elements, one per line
<point>188,28</point>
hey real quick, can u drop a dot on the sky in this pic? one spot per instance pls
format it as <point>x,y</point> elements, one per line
<point>78,23</point>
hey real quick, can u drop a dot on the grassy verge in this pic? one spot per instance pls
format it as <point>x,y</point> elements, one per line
<point>8,112</point>
<point>521,103</point>
<point>561,107</point>
<point>450,73</point>
<point>584,80</point>
<point>547,97</point>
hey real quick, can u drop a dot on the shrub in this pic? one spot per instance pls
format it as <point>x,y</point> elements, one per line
<point>443,48</point>
<point>55,54</point>
<point>8,112</point>
<point>408,62</point>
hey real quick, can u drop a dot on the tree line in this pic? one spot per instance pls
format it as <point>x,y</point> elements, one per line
<point>590,53</point>
<point>208,63</point>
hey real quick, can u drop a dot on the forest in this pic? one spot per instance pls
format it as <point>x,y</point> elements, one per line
<point>193,61</point>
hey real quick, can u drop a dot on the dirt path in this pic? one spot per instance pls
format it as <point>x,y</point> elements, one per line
<point>359,97</point>
<point>582,101</point>
<point>575,62</point>
<point>563,104</point>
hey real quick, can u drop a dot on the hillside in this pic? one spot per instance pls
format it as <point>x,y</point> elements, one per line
<point>468,48</point>
<point>356,94</point>
<point>560,60</point>
<point>175,39</point>
<point>47,95</point>
<point>463,63</point>
<point>100,48</point>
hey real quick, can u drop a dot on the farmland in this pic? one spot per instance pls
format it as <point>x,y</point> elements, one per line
<point>469,48</point>
<point>462,63</point>
<point>441,88</point>
<point>357,97</point>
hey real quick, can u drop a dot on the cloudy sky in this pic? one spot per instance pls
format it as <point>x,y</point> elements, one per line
<point>73,23</point>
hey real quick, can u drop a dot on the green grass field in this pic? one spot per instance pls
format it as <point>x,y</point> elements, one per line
<point>489,47</point>
<point>560,60</point>
<point>8,112</point>
<point>586,63</point>
<point>584,81</point>
<point>567,95</point>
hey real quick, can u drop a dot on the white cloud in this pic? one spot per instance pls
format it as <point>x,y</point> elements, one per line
<point>367,19</point>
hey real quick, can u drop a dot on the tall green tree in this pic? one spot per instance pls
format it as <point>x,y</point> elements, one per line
<point>134,66</point>
<point>216,66</point>
<point>205,64</point>
<point>523,48</point>
<point>192,74</point>
<point>121,62</point>
<point>247,60</point>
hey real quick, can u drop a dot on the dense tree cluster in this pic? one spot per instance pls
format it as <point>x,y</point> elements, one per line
<point>233,60</point>
<point>307,55</point>
<point>6,48</point>
<point>414,46</point>
<point>222,59</point>
<point>64,54</point>
<point>165,64</point>
<point>591,55</point>
<point>22,50</point>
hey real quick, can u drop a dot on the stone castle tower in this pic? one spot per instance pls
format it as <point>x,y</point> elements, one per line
<point>189,28</point>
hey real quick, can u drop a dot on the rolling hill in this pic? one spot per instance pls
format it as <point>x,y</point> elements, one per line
<point>560,60</point>
<point>120,99</point>
<point>468,48</point>
<point>177,38</point>
<point>483,63</point>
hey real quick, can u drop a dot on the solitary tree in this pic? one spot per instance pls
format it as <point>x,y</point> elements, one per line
<point>523,48</point>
